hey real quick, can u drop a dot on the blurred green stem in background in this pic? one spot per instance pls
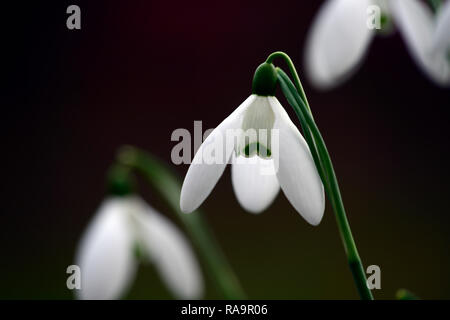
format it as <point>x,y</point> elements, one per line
<point>166,182</point>
<point>404,294</point>
<point>435,4</point>
<point>297,99</point>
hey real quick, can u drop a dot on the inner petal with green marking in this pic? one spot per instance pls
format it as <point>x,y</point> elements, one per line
<point>257,126</point>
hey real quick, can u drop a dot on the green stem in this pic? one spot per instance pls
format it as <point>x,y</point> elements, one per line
<point>293,71</point>
<point>301,91</point>
<point>308,136</point>
<point>164,181</point>
<point>325,168</point>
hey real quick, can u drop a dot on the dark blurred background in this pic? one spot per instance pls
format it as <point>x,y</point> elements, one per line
<point>137,70</point>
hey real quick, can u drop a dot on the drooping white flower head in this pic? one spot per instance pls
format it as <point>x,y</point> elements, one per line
<point>107,252</point>
<point>427,37</point>
<point>337,41</point>
<point>339,38</point>
<point>266,151</point>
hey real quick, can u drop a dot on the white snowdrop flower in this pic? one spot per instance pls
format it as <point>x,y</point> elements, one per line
<point>339,38</point>
<point>266,151</point>
<point>337,42</point>
<point>427,37</point>
<point>107,253</point>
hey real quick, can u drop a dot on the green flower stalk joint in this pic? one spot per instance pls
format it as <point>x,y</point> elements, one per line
<point>301,167</point>
<point>120,182</point>
<point>265,80</point>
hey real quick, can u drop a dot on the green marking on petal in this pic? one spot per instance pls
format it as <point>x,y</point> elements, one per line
<point>257,148</point>
<point>257,126</point>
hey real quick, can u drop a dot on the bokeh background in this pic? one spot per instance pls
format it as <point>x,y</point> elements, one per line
<point>137,70</point>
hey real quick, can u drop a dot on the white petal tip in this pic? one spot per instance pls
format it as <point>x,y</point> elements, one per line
<point>254,211</point>
<point>314,221</point>
<point>185,206</point>
<point>314,214</point>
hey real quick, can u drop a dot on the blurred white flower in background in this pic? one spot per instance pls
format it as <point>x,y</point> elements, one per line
<point>108,251</point>
<point>339,38</point>
<point>337,41</point>
<point>427,37</point>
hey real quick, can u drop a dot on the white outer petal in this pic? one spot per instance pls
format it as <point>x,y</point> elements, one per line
<point>297,173</point>
<point>171,254</point>
<point>202,176</point>
<point>441,39</point>
<point>337,41</point>
<point>416,23</point>
<point>105,254</point>
<point>255,187</point>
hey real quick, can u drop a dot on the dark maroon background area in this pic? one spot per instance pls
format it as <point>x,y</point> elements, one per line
<point>137,70</point>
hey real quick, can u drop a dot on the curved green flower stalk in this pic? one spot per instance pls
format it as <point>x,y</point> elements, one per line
<point>297,99</point>
<point>164,181</point>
